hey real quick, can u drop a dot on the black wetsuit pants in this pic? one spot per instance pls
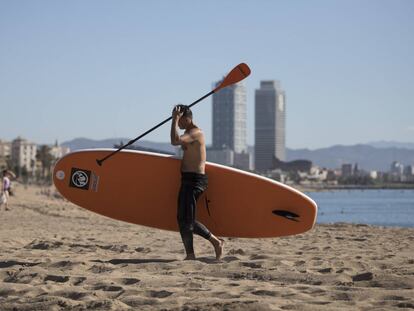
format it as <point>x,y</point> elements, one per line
<point>192,186</point>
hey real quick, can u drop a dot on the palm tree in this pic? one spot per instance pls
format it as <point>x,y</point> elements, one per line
<point>46,159</point>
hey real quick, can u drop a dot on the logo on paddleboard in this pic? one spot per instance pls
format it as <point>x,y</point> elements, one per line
<point>80,178</point>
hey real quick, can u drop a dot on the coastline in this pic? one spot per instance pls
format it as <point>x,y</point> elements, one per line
<point>317,188</point>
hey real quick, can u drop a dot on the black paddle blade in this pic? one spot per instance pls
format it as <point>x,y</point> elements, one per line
<point>286,214</point>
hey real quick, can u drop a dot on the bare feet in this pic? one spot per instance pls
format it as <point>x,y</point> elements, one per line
<point>218,246</point>
<point>219,250</point>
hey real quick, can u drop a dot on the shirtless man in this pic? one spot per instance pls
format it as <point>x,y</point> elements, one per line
<point>193,180</point>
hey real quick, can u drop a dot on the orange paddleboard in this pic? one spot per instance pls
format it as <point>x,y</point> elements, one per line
<point>142,188</point>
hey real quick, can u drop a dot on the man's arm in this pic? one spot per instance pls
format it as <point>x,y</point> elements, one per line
<point>184,139</point>
<point>175,137</point>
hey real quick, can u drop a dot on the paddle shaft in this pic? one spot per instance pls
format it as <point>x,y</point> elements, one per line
<point>149,131</point>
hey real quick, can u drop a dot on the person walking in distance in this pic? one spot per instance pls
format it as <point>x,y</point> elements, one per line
<point>5,188</point>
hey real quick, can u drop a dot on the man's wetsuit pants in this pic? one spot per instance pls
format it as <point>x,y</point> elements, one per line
<point>192,186</point>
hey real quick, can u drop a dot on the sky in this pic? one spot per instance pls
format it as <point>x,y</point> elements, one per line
<point>104,69</point>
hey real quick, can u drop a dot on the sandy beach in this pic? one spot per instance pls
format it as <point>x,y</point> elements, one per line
<point>57,256</point>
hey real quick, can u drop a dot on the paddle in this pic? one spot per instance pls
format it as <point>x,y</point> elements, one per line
<point>237,74</point>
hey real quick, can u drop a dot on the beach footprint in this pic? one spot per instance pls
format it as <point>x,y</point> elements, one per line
<point>100,268</point>
<point>238,251</point>
<point>78,280</point>
<point>263,292</point>
<point>144,250</point>
<point>253,265</point>
<point>65,264</point>
<point>129,281</point>
<point>107,287</point>
<point>159,294</point>
<point>57,278</point>
<point>43,245</point>
<point>20,277</point>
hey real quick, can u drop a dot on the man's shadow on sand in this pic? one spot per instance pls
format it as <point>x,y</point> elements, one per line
<point>207,260</point>
<point>134,261</point>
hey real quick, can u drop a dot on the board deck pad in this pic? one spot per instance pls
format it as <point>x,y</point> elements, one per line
<point>142,188</point>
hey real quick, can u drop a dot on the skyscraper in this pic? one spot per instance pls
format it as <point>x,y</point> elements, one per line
<point>229,118</point>
<point>270,114</point>
<point>229,127</point>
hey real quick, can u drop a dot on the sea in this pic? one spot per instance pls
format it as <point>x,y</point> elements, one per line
<point>390,208</point>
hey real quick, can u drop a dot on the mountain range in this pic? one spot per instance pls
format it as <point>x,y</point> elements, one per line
<point>366,156</point>
<point>372,156</point>
<point>391,144</point>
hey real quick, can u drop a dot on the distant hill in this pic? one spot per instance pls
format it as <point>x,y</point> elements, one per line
<point>367,157</point>
<point>391,144</point>
<point>86,143</point>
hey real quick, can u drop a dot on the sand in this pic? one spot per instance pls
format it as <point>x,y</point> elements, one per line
<point>56,256</point>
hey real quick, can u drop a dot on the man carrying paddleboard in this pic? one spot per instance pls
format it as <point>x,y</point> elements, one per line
<point>193,180</point>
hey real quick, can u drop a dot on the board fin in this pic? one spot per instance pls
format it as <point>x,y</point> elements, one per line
<point>286,214</point>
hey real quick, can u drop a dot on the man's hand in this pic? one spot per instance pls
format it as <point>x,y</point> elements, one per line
<point>177,113</point>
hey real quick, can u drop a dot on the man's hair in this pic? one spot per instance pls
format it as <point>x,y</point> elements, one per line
<point>186,111</point>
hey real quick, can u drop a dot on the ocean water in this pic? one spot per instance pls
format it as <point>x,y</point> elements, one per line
<point>375,207</point>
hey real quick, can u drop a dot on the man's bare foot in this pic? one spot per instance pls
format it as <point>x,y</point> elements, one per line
<point>219,250</point>
<point>218,246</point>
<point>190,257</point>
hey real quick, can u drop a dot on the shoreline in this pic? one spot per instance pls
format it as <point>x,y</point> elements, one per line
<point>341,223</point>
<point>318,188</point>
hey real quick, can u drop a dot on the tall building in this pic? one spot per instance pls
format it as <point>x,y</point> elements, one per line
<point>270,113</point>
<point>229,127</point>
<point>229,118</point>
<point>23,154</point>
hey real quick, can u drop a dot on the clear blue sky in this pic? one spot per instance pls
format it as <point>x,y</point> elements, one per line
<point>102,69</point>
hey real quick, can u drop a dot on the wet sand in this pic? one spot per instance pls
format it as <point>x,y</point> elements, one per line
<point>56,256</point>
